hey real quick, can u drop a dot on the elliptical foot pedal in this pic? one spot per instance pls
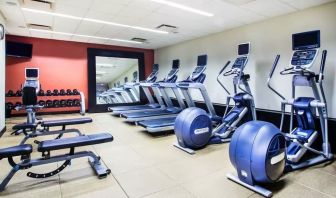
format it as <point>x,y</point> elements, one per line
<point>188,150</point>
<point>258,189</point>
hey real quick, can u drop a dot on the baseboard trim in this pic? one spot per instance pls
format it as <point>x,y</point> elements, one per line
<point>2,131</point>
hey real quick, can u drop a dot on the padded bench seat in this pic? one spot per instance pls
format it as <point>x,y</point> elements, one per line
<point>74,121</point>
<point>24,126</point>
<point>64,143</point>
<point>24,149</point>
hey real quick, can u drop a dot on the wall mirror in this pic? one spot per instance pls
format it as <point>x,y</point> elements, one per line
<point>113,77</point>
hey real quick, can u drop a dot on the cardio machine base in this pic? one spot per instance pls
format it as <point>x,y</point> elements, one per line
<point>188,150</point>
<point>308,163</point>
<point>258,189</point>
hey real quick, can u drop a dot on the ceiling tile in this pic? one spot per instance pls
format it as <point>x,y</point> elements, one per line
<point>84,4</point>
<point>37,18</point>
<point>65,25</point>
<point>303,4</point>
<point>61,37</point>
<point>14,30</point>
<point>88,28</point>
<point>269,8</point>
<point>41,34</point>
<point>110,31</point>
<point>79,39</point>
<point>109,6</point>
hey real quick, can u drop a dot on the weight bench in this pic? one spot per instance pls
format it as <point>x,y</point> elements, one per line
<point>31,131</point>
<point>45,147</point>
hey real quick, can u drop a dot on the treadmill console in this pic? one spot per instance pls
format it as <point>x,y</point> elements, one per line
<point>174,70</point>
<point>305,49</point>
<point>200,68</point>
<point>154,73</point>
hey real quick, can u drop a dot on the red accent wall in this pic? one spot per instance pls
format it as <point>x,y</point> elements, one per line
<point>63,64</point>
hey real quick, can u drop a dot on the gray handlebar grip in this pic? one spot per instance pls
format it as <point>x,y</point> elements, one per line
<point>274,65</point>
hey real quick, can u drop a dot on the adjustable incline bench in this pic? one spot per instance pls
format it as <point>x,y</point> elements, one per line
<point>31,131</point>
<point>29,100</point>
<point>45,147</point>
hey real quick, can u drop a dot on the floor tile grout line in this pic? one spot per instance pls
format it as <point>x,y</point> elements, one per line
<point>120,185</point>
<point>313,189</point>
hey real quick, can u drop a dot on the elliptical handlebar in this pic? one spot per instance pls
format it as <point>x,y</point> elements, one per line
<point>323,60</point>
<point>221,71</point>
<point>225,66</point>
<point>270,76</point>
<point>274,65</point>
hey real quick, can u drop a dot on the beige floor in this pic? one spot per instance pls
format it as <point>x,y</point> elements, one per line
<point>146,166</point>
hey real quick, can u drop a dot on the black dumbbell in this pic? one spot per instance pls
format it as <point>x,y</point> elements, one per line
<point>10,93</point>
<point>75,92</point>
<point>76,103</point>
<point>18,104</point>
<point>49,104</point>
<point>69,102</point>
<point>9,106</point>
<point>42,103</point>
<point>49,93</point>
<point>18,93</point>
<point>63,103</point>
<point>62,92</point>
<point>41,92</point>
<point>68,92</point>
<point>55,92</point>
<point>56,103</point>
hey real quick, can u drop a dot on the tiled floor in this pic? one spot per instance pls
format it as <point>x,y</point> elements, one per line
<point>147,166</point>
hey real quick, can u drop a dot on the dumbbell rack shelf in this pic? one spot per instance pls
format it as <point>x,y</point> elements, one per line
<point>66,109</point>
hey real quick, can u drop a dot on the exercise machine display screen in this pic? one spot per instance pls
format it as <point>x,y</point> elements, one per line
<point>176,64</point>
<point>32,73</point>
<point>306,40</point>
<point>156,67</point>
<point>202,60</point>
<point>244,49</point>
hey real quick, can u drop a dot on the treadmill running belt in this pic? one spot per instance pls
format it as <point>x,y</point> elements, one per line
<point>150,113</point>
<point>164,122</point>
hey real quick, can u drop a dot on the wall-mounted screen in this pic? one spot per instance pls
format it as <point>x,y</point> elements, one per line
<point>22,50</point>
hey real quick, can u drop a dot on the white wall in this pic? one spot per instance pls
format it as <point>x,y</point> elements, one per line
<point>267,38</point>
<point>2,80</point>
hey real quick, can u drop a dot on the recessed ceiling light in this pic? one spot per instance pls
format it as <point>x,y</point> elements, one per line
<point>94,20</point>
<point>86,36</point>
<point>183,7</point>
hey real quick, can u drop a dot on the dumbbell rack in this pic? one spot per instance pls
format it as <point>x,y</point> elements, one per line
<point>67,109</point>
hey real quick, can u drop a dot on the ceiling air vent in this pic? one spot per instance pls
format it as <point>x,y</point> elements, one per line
<point>141,40</point>
<point>39,4</point>
<point>39,27</point>
<point>168,28</point>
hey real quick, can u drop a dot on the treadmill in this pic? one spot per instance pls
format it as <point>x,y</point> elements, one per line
<point>167,111</point>
<point>194,81</point>
<point>145,87</point>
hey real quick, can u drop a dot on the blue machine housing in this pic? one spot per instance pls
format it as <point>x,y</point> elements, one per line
<point>194,132</point>
<point>248,156</point>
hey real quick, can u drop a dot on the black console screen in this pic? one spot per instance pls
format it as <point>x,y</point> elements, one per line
<point>202,60</point>
<point>176,64</point>
<point>31,73</point>
<point>306,40</point>
<point>243,49</point>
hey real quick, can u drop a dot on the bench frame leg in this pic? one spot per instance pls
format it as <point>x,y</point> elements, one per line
<point>100,169</point>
